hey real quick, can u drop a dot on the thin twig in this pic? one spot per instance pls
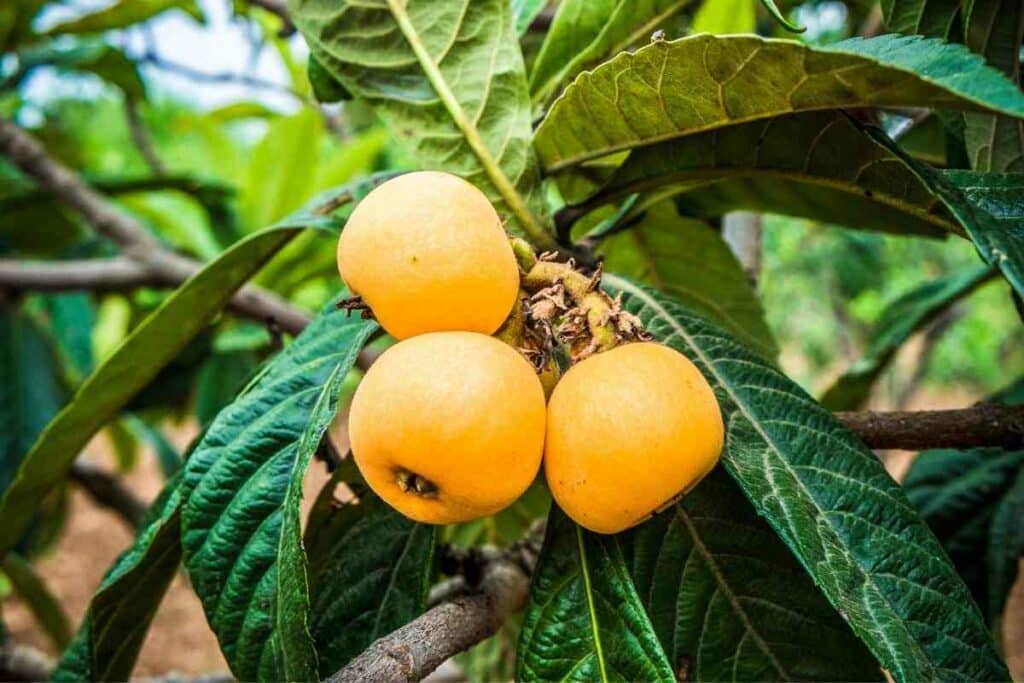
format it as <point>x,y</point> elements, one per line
<point>108,492</point>
<point>140,137</point>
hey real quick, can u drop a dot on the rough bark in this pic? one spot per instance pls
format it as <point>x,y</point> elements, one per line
<point>986,424</point>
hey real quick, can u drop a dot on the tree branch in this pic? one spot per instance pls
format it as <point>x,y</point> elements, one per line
<point>108,492</point>
<point>985,424</point>
<point>97,275</point>
<point>418,648</point>
<point>162,264</point>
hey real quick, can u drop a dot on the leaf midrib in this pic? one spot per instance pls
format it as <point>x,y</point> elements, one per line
<point>591,612</point>
<point>508,192</point>
<point>741,406</point>
<point>730,596</point>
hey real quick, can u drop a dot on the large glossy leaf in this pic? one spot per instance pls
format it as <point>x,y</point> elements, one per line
<point>114,628</point>
<point>933,18</point>
<point>969,499</point>
<point>831,501</point>
<point>818,165</point>
<point>30,393</point>
<point>671,89</point>
<point>36,595</point>
<point>584,620</point>
<point>448,78</point>
<point>995,29</point>
<point>729,602</point>
<point>906,315</point>
<point>370,570</point>
<point>690,261</point>
<point>152,344</point>
<point>122,14</point>
<point>241,493</point>
<point>586,32</point>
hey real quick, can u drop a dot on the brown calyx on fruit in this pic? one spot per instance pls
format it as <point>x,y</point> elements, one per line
<point>410,482</point>
<point>567,306</point>
<point>356,303</point>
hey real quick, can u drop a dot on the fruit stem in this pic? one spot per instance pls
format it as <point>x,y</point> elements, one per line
<point>596,309</point>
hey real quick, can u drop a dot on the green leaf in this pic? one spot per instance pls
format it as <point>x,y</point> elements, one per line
<point>72,316</point>
<point>725,16</point>
<point>671,89</point>
<point>325,87</point>
<point>282,168</point>
<point>831,501</point>
<point>584,620</point>
<point>241,493</point>
<point>370,571</point>
<point>995,29</point>
<point>92,56</point>
<point>690,261</point>
<point>967,498</point>
<point>586,32</point>
<point>114,628</point>
<point>907,314</point>
<point>123,14</point>
<point>220,380</point>
<point>777,15</point>
<point>818,165</point>
<point>729,601</point>
<point>30,394</point>
<point>35,595</point>
<point>525,11</point>
<point>152,344</point>
<point>933,18</point>
<point>448,78</point>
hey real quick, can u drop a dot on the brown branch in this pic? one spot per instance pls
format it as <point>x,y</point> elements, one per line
<point>418,648</point>
<point>136,242</point>
<point>986,424</point>
<point>98,275</point>
<point>22,663</point>
<point>108,492</point>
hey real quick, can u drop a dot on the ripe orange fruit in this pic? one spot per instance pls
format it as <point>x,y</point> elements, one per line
<point>449,426</point>
<point>427,252</point>
<point>628,431</point>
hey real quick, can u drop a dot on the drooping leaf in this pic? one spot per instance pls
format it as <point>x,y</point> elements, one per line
<point>114,628</point>
<point>449,80</point>
<point>326,87</point>
<point>525,11</point>
<point>167,455</point>
<point>995,29</point>
<point>370,570</point>
<point>776,14</point>
<point>674,88</point>
<point>241,492</point>
<point>35,595</point>
<point>690,261</point>
<point>968,499</point>
<point>906,315</point>
<point>586,32</point>
<point>729,602</point>
<point>151,345</point>
<point>932,18</point>
<point>831,501</point>
<point>30,394</point>
<point>983,204</point>
<point>123,14</point>
<point>584,620</point>
<point>818,165</point>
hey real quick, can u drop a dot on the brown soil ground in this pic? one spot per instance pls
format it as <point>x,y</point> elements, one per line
<point>179,639</point>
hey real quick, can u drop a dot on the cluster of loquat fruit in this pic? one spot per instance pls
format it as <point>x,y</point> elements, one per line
<point>451,423</point>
